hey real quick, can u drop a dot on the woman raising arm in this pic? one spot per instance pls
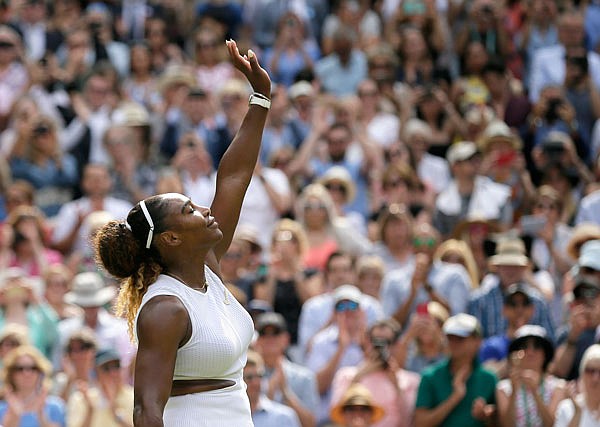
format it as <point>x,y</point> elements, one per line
<point>192,333</point>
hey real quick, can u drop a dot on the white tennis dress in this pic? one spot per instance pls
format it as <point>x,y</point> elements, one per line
<point>221,332</point>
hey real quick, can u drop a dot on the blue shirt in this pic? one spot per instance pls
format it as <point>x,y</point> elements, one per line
<point>273,414</point>
<point>487,302</point>
<point>303,383</point>
<point>342,79</point>
<point>54,409</point>
<point>450,281</point>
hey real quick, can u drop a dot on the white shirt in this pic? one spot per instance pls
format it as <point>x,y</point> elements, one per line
<point>434,172</point>
<point>565,412</point>
<point>589,209</point>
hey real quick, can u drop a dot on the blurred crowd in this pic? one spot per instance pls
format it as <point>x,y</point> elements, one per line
<point>420,240</point>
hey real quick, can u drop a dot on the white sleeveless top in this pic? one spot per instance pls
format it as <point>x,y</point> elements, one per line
<point>221,329</point>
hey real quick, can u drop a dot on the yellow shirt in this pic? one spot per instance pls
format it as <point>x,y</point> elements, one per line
<point>102,416</point>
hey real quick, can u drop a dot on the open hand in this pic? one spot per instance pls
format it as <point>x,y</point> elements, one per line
<point>249,66</point>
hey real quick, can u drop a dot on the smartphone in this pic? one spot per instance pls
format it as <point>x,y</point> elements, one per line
<point>532,224</point>
<point>506,158</point>
<point>422,309</point>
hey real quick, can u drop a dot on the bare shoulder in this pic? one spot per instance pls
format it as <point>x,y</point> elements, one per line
<point>163,317</point>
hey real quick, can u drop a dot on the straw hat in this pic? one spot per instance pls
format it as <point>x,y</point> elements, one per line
<point>510,251</point>
<point>173,75</point>
<point>476,219</point>
<point>340,175</point>
<point>89,290</point>
<point>356,395</point>
<point>581,234</point>
<point>498,131</point>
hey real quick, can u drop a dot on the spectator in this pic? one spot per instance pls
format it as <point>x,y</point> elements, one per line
<point>12,335</point>
<point>580,408</point>
<point>285,381</point>
<point>391,387</point>
<point>14,79</point>
<point>109,403</point>
<point>57,282</point>
<point>530,395</point>
<point>265,412</point>
<point>339,344</point>
<point>141,84</point>
<point>458,391</point>
<point>213,69</point>
<point>511,266</point>
<point>454,251</point>
<point>77,365</point>
<point>26,375</point>
<point>356,408</point>
<point>370,270</point>
<point>469,193</point>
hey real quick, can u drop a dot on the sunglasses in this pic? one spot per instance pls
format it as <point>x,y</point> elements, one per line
<point>545,206</point>
<point>270,333</point>
<point>25,368</point>
<point>6,45</point>
<point>336,187</point>
<point>357,408</point>
<point>531,345</point>
<point>314,206</point>
<point>424,242</point>
<point>392,184</point>
<point>342,306</point>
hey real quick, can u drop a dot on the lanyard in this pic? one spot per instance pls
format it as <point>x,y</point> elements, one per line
<point>528,421</point>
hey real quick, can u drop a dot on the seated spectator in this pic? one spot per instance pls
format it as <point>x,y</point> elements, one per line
<point>580,409</point>
<point>109,403</point>
<point>530,395</point>
<point>458,391</point>
<point>265,412</point>
<point>391,387</point>
<point>285,381</point>
<point>423,343</point>
<point>26,376</point>
<point>511,266</point>
<point>357,409</point>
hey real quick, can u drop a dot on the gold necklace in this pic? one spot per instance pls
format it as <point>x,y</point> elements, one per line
<point>200,289</point>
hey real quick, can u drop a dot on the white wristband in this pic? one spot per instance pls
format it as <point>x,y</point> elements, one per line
<point>259,99</point>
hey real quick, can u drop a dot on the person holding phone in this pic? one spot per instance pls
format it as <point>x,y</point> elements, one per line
<point>26,376</point>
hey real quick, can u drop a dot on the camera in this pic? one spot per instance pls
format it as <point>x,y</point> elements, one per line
<point>552,112</point>
<point>382,349</point>
<point>580,61</point>
<point>553,149</point>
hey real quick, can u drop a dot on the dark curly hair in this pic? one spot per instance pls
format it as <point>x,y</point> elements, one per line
<point>121,250</point>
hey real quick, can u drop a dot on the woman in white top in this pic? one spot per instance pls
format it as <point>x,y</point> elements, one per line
<point>192,333</point>
<point>583,410</point>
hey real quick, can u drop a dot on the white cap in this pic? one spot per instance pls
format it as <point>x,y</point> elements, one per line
<point>460,151</point>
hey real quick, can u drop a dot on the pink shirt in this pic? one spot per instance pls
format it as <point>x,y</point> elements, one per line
<point>398,401</point>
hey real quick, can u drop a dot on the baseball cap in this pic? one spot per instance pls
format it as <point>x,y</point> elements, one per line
<point>462,325</point>
<point>272,319</point>
<point>460,151</point>
<point>347,293</point>
<point>518,288</point>
<point>589,255</point>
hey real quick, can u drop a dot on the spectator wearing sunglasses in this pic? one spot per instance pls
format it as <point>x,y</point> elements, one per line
<point>339,344</point>
<point>404,289</point>
<point>26,376</point>
<point>518,310</point>
<point>584,313</point>
<point>107,404</point>
<point>582,409</point>
<point>357,409</point>
<point>529,396</point>
<point>285,381</point>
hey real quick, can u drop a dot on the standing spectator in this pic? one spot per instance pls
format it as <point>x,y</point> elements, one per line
<point>581,409</point>
<point>109,403</point>
<point>458,391</point>
<point>13,74</point>
<point>391,387</point>
<point>70,229</point>
<point>26,402</point>
<point>511,266</point>
<point>469,194</point>
<point>530,395</point>
<point>341,71</point>
<point>339,344</point>
<point>265,412</point>
<point>285,381</point>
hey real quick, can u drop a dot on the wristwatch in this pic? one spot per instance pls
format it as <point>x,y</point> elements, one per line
<point>259,99</point>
